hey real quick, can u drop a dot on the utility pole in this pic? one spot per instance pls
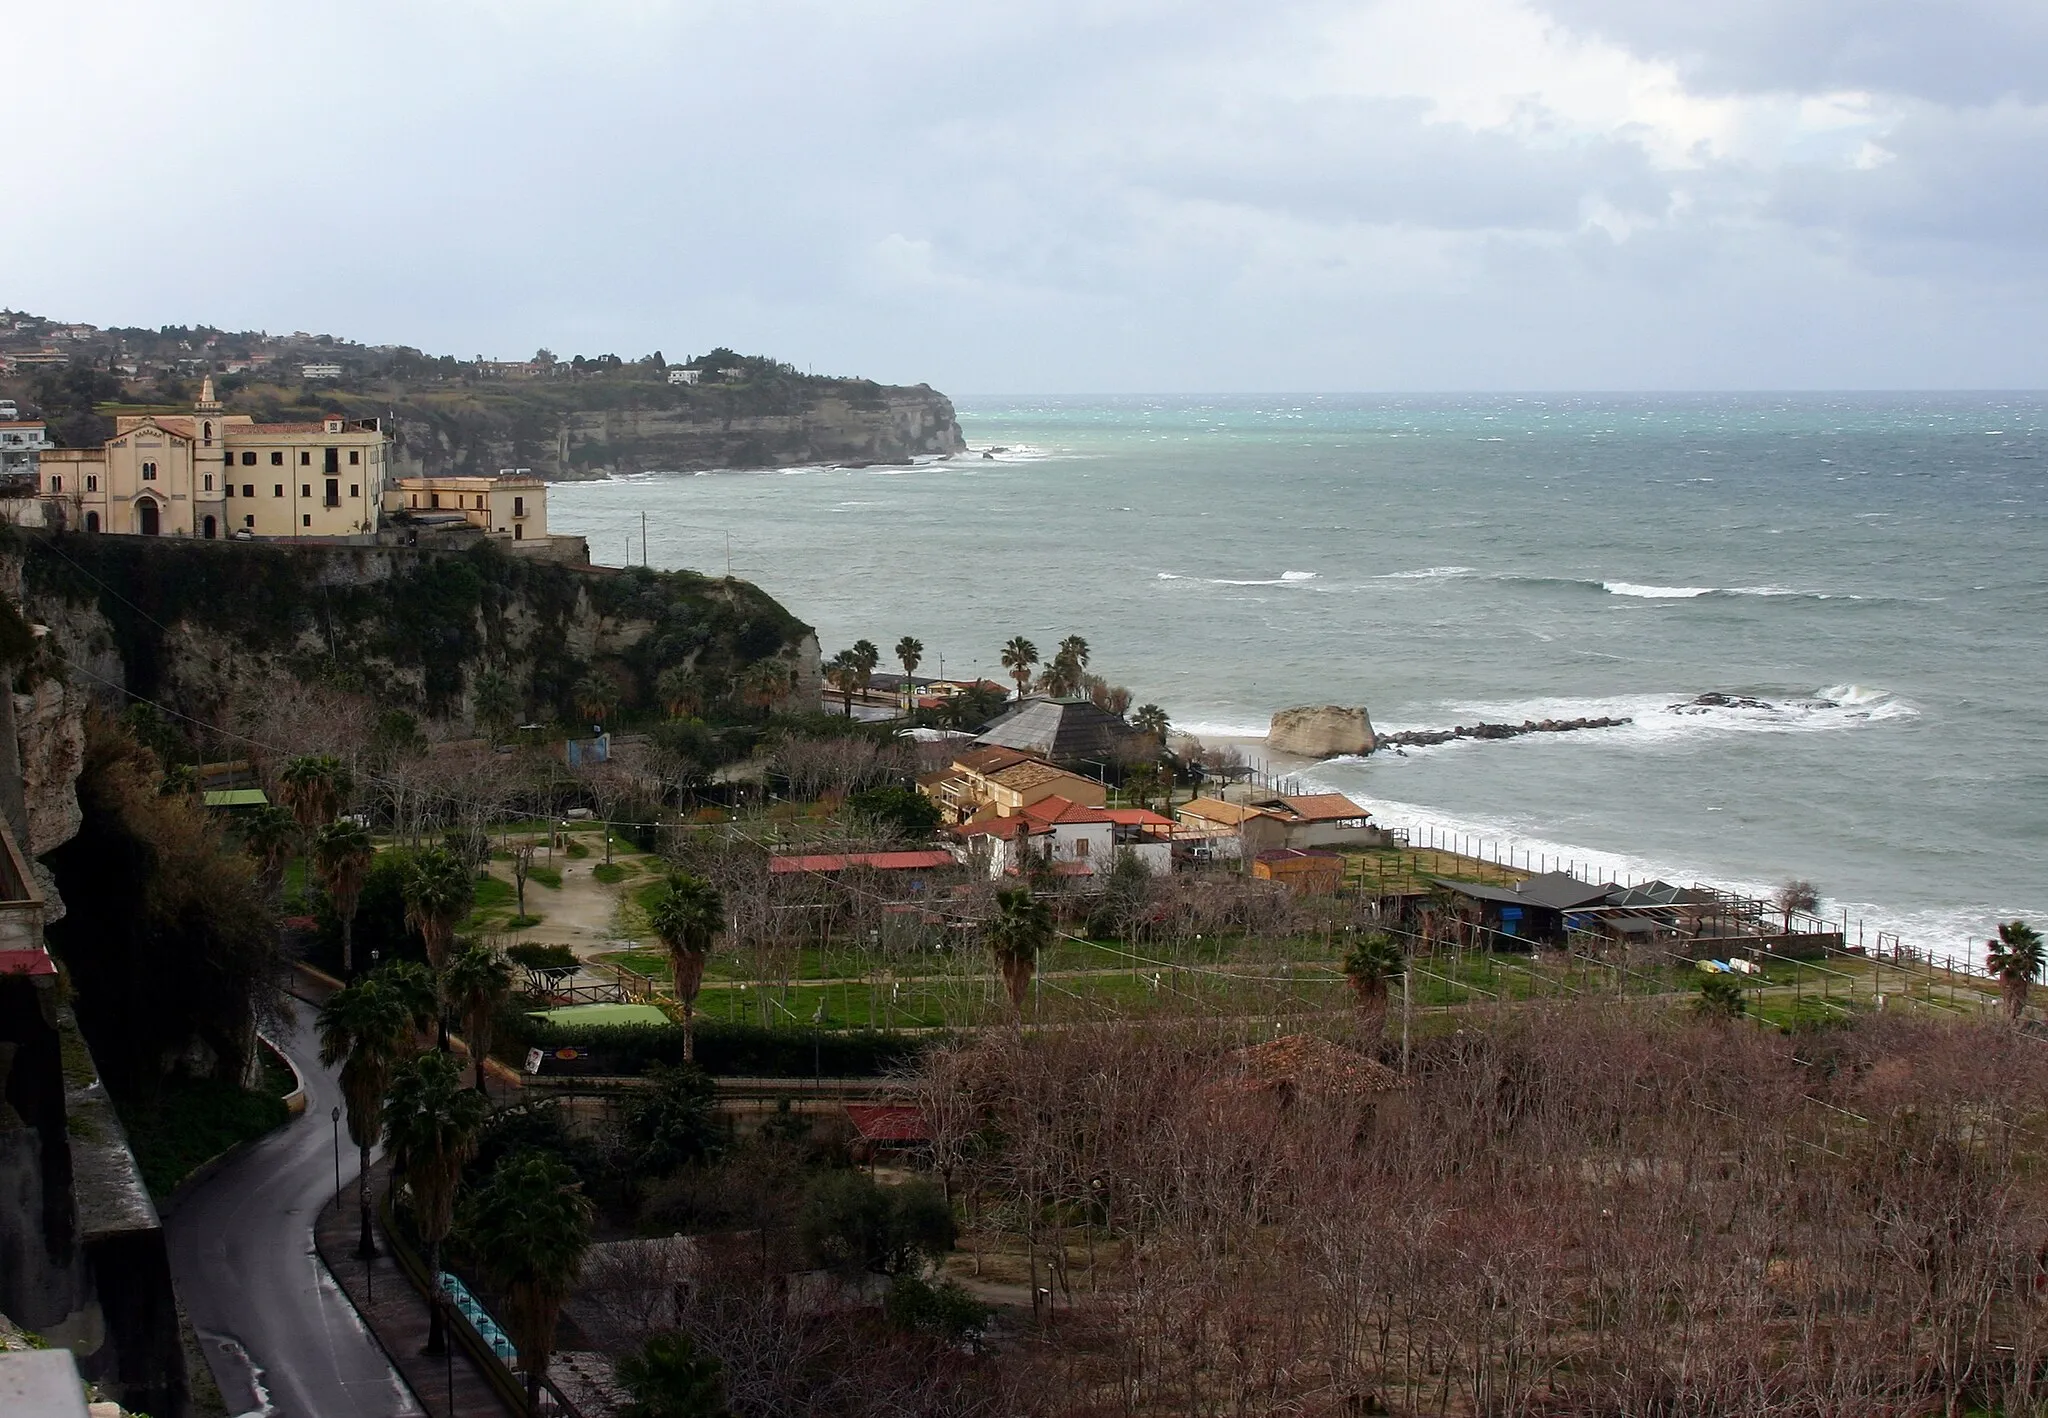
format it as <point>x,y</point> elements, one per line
<point>643,539</point>
<point>1407,995</point>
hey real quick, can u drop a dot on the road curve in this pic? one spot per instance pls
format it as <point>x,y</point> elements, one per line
<point>280,1336</point>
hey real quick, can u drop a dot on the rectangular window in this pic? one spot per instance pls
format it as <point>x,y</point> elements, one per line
<point>306,490</point>
<point>333,493</point>
<point>305,459</point>
<point>305,519</point>
<point>248,460</point>
<point>149,472</point>
<point>355,490</point>
<point>333,464</point>
<point>518,507</point>
<point>56,482</point>
<point>519,532</point>
<point>92,482</point>
<point>354,457</point>
<point>1080,846</point>
<point>436,498</point>
<point>248,521</point>
<point>277,489</point>
<point>229,490</point>
<point>277,458</point>
<point>248,489</point>
<point>209,482</point>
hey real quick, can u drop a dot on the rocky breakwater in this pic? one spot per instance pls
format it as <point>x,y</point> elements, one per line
<point>1425,738</point>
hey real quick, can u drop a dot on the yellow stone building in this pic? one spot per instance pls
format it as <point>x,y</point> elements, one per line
<point>513,504</point>
<point>213,474</point>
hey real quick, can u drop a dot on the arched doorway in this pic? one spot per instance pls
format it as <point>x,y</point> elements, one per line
<point>209,529</point>
<point>92,521</point>
<point>146,518</point>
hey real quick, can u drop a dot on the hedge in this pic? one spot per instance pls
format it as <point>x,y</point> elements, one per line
<point>733,1049</point>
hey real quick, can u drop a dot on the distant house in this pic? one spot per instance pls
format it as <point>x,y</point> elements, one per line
<point>1535,910</point>
<point>319,371</point>
<point>22,444</point>
<point>1305,872</point>
<point>1062,730</point>
<point>997,782</point>
<point>1301,822</point>
<point>685,376</point>
<point>513,504</point>
<point>1074,839</point>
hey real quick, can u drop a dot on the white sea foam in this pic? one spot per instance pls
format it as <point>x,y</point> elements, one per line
<point>1656,593</point>
<point>1688,593</point>
<point>1285,578</point>
<point>1427,573</point>
<point>1660,720</point>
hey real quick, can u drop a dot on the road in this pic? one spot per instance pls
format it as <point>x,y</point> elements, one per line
<point>280,1336</point>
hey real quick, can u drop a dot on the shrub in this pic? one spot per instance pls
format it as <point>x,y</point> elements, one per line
<point>671,1123</point>
<point>610,873</point>
<point>851,1224</point>
<point>938,1308</point>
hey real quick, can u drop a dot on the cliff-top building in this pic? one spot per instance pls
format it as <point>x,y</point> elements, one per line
<point>214,474</point>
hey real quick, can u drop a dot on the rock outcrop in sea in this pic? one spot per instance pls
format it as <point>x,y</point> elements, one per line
<point>1321,731</point>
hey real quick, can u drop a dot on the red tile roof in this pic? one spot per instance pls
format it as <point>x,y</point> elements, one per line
<point>27,962</point>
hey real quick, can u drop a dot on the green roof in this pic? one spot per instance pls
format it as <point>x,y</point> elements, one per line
<point>236,797</point>
<point>603,1014</point>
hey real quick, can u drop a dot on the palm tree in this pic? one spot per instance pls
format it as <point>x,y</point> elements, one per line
<point>270,833</point>
<point>2016,958</point>
<point>1069,664</point>
<point>595,695</point>
<point>842,672</point>
<point>367,1029</point>
<point>431,1125</point>
<point>677,689</point>
<point>909,654</point>
<point>764,684</point>
<point>497,704</point>
<point>687,915</point>
<point>1020,928</point>
<point>418,989</point>
<point>1370,967</point>
<point>1151,720</point>
<point>866,655</point>
<point>439,888</point>
<point>528,1229</point>
<point>669,1377</point>
<point>342,853</point>
<point>1018,658</point>
<point>477,983</point>
<point>314,786</point>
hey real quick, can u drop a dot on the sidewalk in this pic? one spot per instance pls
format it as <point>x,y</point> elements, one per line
<point>397,1314</point>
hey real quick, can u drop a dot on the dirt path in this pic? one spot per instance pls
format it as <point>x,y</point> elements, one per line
<point>583,913</point>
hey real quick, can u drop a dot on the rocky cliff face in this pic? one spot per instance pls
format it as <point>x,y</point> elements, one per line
<point>707,429</point>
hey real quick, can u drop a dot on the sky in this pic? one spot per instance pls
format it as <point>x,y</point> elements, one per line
<point>1115,196</point>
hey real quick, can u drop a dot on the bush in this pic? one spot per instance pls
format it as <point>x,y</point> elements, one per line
<point>939,1308</point>
<point>610,873</point>
<point>550,877</point>
<point>902,811</point>
<point>668,1378</point>
<point>851,1224</point>
<point>671,1123</point>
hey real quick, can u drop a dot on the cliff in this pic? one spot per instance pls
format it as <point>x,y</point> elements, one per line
<point>223,632</point>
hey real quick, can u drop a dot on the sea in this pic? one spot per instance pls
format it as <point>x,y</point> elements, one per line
<point>1870,569</point>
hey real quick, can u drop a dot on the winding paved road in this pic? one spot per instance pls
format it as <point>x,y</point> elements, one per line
<point>280,1336</point>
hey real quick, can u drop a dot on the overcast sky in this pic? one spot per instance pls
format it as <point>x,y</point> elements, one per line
<point>1038,196</point>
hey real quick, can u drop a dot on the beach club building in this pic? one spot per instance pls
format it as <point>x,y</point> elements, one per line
<point>1076,840</point>
<point>1300,822</point>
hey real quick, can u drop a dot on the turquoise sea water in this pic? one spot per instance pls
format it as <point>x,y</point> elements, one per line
<point>1874,566</point>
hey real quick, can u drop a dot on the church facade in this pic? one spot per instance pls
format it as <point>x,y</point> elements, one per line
<point>212,474</point>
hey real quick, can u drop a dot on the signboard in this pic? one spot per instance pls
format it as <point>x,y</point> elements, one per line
<point>533,1058</point>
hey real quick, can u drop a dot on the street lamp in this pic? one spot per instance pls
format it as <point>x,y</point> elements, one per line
<point>336,1116</point>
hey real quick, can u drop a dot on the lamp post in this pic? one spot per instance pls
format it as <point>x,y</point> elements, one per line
<point>336,1117</point>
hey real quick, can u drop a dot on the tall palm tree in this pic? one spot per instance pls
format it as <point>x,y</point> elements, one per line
<point>678,691</point>
<point>270,833</point>
<point>1151,720</point>
<point>529,1228</point>
<point>1069,666</point>
<point>431,1126</point>
<point>2016,958</point>
<point>595,697</point>
<point>909,654</point>
<point>1019,929</point>
<point>342,853</point>
<point>1370,968</point>
<point>497,703</point>
<point>417,988</point>
<point>314,786</point>
<point>764,685</point>
<point>477,983</point>
<point>367,1029</point>
<point>1018,658</point>
<point>842,672</point>
<point>687,915</point>
<point>866,655</point>
<point>439,888</point>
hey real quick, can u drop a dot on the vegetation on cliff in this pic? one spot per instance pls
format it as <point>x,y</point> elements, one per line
<point>417,632</point>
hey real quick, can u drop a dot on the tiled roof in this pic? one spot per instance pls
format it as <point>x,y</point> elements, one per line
<point>1029,774</point>
<point>990,760</point>
<point>926,860</point>
<point>1319,807</point>
<point>1060,729</point>
<point>1217,810</point>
